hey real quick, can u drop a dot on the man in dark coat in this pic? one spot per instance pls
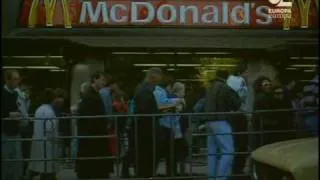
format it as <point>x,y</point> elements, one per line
<point>146,104</point>
<point>92,105</point>
<point>283,120</point>
<point>11,129</point>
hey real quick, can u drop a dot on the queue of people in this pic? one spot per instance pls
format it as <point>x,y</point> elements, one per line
<point>15,104</point>
<point>150,138</point>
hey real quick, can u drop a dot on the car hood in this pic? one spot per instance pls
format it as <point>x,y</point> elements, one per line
<point>299,157</point>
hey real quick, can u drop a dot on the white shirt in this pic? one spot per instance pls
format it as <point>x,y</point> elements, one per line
<point>239,85</point>
<point>23,106</point>
<point>46,127</point>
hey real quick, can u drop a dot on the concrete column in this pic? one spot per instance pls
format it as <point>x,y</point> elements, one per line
<point>260,67</point>
<point>81,73</point>
<point>10,11</point>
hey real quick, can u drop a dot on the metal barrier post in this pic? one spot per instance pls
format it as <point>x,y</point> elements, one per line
<point>171,153</point>
<point>116,134</point>
<point>45,144</point>
<point>249,118</point>
<point>190,147</point>
<point>136,148</point>
<point>153,146</point>
<point>250,142</point>
<point>260,131</point>
<point>55,140</point>
<point>75,142</point>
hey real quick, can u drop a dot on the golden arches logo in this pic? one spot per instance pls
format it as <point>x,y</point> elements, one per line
<point>50,7</point>
<point>304,7</point>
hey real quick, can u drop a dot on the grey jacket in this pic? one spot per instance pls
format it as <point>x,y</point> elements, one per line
<point>221,98</point>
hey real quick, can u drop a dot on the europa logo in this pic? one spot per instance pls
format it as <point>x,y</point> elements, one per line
<point>281,3</point>
<point>282,11</point>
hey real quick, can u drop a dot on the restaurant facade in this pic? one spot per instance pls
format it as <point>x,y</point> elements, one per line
<point>113,35</point>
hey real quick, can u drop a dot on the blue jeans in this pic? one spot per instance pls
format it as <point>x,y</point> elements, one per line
<point>311,124</point>
<point>222,165</point>
<point>11,150</point>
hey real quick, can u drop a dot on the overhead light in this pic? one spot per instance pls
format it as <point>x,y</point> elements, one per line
<point>130,53</point>
<point>144,65</point>
<point>311,58</point>
<point>178,53</point>
<point>30,67</point>
<point>207,71</point>
<point>164,53</point>
<point>57,70</point>
<point>308,70</point>
<point>193,80</point>
<point>216,53</point>
<point>170,69</point>
<point>291,68</point>
<point>221,65</point>
<point>183,53</point>
<point>185,65</point>
<point>32,57</point>
<point>188,65</point>
<point>303,65</point>
<point>305,80</point>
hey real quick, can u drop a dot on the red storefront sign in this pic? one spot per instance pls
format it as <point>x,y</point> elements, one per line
<point>170,13</point>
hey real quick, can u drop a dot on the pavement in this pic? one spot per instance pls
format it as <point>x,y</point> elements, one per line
<point>198,168</point>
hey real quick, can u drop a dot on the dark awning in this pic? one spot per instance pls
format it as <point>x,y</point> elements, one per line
<point>30,46</point>
<point>170,38</point>
<point>181,42</point>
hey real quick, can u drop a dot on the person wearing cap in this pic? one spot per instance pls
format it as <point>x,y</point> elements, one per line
<point>220,98</point>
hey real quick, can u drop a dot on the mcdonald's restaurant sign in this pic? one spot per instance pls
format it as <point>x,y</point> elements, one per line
<point>170,13</point>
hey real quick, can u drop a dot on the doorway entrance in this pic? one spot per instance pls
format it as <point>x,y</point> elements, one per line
<point>193,69</point>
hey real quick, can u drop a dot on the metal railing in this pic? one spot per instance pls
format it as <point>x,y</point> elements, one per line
<point>253,133</point>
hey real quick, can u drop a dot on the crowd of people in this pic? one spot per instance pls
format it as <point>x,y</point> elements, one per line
<point>150,138</point>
